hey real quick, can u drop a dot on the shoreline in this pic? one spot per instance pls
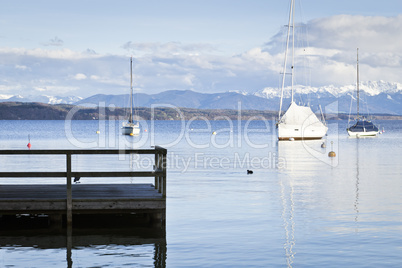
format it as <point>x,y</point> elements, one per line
<point>42,111</point>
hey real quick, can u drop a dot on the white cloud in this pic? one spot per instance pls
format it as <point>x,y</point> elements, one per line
<point>40,89</point>
<point>162,66</point>
<point>56,90</point>
<point>46,53</point>
<point>21,67</point>
<point>188,79</point>
<point>5,96</point>
<point>169,47</point>
<point>332,48</point>
<point>80,76</point>
<point>378,39</point>
<point>371,34</point>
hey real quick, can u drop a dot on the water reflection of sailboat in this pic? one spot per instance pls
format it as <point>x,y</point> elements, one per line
<point>302,155</point>
<point>356,205</point>
<point>287,192</point>
<point>297,173</point>
<point>290,152</point>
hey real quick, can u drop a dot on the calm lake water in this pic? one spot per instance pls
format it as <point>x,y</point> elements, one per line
<point>300,208</point>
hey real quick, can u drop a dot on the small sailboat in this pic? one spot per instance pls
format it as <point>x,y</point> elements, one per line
<point>130,127</point>
<point>362,127</point>
<point>298,122</point>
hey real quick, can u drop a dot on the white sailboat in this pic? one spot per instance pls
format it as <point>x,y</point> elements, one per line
<point>298,122</point>
<point>130,127</point>
<point>362,126</point>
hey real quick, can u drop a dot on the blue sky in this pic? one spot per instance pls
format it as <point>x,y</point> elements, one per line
<point>83,47</point>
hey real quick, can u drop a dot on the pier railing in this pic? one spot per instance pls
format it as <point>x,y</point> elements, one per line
<point>159,172</point>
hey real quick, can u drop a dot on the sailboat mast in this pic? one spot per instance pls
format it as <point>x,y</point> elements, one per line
<point>131,91</point>
<point>293,44</point>
<point>286,58</point>
<point>358,96</point>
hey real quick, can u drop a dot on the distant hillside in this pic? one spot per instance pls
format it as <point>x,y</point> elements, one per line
<point>41,111</point>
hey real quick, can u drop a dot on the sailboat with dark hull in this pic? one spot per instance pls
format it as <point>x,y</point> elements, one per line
<point>130,127</point>
<point>362,127</point>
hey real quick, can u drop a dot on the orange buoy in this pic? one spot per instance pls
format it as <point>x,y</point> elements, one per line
<point>332,153</point>
<point>29,142</point>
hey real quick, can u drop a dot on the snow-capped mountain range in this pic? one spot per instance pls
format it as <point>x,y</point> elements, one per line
<point>380,97</point>
<point>370,88</point>
<point>40,98</point>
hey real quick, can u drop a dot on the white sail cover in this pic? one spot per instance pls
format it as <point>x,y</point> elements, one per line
<point>296,115</point>
<point>299,122</point>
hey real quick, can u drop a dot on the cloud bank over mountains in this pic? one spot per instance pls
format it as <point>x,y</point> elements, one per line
<point>55,69</point>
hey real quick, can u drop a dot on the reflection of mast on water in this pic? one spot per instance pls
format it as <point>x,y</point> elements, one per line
<point>356,205</point>
<point>288,221</point>
<point>289,173</point>
<point>297,172</point>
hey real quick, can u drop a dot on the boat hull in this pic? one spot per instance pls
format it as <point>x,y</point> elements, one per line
<point>130,130</point>
<point>298,132</point>
<point>362,134</point>
<point>363,128</point>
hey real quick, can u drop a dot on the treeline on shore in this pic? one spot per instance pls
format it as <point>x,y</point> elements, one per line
<point>42,111</point>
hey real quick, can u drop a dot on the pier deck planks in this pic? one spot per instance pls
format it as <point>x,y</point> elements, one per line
<point>87,198</point>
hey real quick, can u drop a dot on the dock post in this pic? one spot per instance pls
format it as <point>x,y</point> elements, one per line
<point>69,192</point>
<point>160,166</point>
<point>164,173</point>
<point>69,246</point>
<point>156,169</point>
<point>160,185</point>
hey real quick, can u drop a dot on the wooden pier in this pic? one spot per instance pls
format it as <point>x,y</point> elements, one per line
<point>64,201</point>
